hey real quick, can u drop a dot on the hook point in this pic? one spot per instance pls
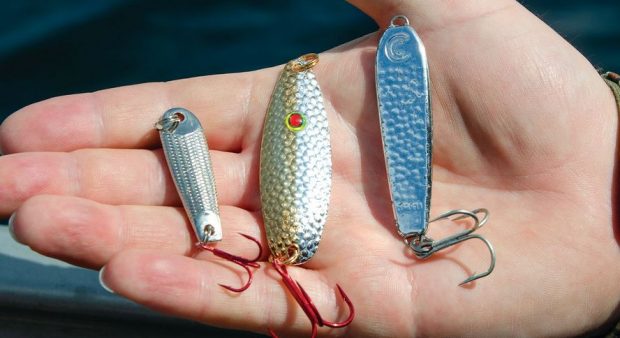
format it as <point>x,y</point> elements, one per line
<point>242,262</point>
<point>244,286</point>
<point>260,247</point>
<point>423,251</point>
<point>305,302</point>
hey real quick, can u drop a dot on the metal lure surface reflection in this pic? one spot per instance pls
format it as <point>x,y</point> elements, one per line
<point>403,98</point>
<point>295,164</point>
<point>405,115</point>
<point>295,176</point>
<point>187,156</point>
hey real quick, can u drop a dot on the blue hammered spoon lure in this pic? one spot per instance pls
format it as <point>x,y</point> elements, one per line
<point>403,96</point>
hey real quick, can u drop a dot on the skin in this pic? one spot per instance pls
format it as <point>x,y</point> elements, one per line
<point>523,126</point>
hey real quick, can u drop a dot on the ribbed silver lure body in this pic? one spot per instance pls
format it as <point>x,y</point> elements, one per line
<point>403,98</point>
<point>295,164</point>
<point>187,155</point>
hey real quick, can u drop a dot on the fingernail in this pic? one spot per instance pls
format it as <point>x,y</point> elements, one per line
<point>11,231</point>
<point>102,282</point>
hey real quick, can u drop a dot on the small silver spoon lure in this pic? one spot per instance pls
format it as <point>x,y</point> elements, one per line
<point>187,155</point>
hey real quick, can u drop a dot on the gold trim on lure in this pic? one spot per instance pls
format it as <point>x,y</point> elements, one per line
<point>296,164</point>
<point>295,177</point>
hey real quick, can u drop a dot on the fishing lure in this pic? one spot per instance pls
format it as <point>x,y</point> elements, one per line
<point>403,97</point>
<point>187,155</point>
<point>295,177</point>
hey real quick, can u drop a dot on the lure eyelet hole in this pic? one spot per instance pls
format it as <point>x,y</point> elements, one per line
<point>399,20</point>
<point>420,244</point>
<point>304,62</point>
<point>290,258</point>
<point>293,254</point>
<point>170,123</point>
<point>209,231</point>
<point>180,117</point>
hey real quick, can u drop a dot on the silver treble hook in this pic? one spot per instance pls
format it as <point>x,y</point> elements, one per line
<point>424,246</point>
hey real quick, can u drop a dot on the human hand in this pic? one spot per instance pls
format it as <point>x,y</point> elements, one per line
<point>523,126</point>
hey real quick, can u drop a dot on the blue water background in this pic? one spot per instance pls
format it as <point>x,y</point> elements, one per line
<point>50,48</point>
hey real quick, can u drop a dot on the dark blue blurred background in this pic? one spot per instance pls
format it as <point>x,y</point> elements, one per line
<point>50,48</point>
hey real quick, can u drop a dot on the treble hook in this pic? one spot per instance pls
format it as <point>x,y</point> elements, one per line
<point>242,262</point>
<point>305,302</point>
<point>423,246</point>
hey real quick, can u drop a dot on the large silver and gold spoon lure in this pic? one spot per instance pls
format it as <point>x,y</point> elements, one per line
<point>295,177</point>
<point>403,97</point>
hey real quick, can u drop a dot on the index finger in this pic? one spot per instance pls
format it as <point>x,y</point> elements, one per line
<point>124,117</point>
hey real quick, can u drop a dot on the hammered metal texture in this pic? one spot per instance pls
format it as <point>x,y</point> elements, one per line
<point>404,109</point>
<point>187,155</point>
<point>295,167</point>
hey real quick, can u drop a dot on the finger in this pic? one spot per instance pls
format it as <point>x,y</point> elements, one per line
<point>187,287</point>
<point>124,117</point>
<point>113,176</point>
<point>88,233</point>
<point>429,15</point>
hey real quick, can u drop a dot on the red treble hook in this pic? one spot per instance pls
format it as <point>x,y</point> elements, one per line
<point>242,262</point>
<point>306,304</point>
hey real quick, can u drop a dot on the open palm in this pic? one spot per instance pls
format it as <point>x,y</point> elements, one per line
<point>523,126</point>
